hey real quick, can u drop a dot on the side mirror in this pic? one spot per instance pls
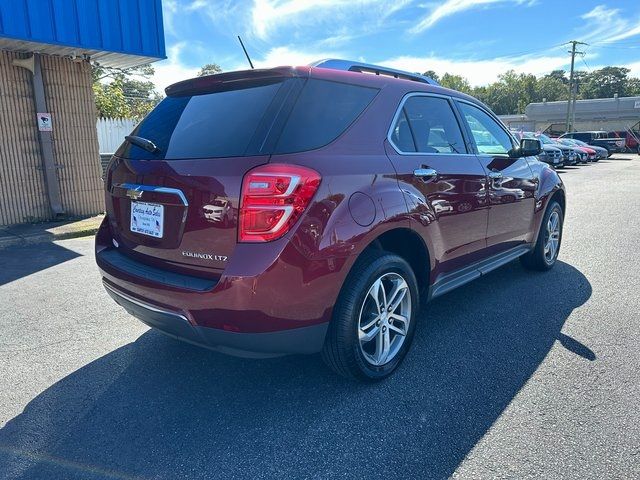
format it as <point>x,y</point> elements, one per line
<point>529,147</point>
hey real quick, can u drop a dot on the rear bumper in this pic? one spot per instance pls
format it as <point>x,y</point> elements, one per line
<point>269,301</point>
<point>302,340</point>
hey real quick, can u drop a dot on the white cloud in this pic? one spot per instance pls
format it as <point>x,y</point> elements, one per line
<point>197,5</point>
<point>169,10</point>
<point>172,70</point>
<point>604,24</point>
<point>268,15</point>
<point>635,69</point>
<point>279,56</point>
<point>451,7</point>
<point>478,72</point>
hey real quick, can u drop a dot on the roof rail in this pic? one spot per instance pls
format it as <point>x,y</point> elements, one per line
<point>337,64</point>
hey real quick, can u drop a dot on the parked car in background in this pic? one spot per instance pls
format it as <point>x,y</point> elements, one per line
<point>550,154</point>
<point>592,155</point>
<point>350,213</point>
<point>600,139</point>
<point>600,152</point>
<point>631,137</point>
<point>569,154</point>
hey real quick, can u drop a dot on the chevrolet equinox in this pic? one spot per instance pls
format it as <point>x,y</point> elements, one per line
<point>314,209</point>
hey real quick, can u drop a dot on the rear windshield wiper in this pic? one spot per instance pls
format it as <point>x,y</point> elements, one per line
<point>141,142</point>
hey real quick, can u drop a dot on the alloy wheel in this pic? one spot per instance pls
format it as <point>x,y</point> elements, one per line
<point>384,319</point>
<point>552,237</point>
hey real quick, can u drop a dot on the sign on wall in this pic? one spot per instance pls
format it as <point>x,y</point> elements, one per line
<point>44,122</point>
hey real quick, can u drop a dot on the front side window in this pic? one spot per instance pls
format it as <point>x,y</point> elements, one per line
<point>427,125</point>
<point>490,137</point>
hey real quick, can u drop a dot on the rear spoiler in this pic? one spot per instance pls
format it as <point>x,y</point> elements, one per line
<point>225,81</point>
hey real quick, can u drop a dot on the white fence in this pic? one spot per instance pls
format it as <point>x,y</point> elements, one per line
<point>111,132</point>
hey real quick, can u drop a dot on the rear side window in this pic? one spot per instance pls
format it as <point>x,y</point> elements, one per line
<point>427,125</point>
<point>323,111</point>
<point>219,124</point>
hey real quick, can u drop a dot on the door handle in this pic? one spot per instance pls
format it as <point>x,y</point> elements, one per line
<point>494,175</point>
<point>425,172</point>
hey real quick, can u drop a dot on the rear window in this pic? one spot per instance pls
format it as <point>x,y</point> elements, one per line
<point>220,124</point>
<point>323,111</point>
<point>242,121</point>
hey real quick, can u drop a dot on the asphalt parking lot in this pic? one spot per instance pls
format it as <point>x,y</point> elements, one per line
<point>517,375</point>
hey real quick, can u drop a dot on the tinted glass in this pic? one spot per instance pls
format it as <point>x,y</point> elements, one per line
<point>489,136</point>
<point>323,111</point>
<point>432,126</point>
<point>401,135</point>
<point>219,124</point>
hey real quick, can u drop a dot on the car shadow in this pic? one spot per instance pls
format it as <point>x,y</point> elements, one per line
<point>159,408</point>
<point>20,261</point>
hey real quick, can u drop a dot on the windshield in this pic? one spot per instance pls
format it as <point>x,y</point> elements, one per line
<point>543,138</point>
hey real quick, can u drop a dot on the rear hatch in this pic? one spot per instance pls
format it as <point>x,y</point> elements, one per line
<point>175,201</point>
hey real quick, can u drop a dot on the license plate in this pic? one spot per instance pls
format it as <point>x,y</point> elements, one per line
<point>147,218</point>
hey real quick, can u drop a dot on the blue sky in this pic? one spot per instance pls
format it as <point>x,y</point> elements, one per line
<point>478,39</point>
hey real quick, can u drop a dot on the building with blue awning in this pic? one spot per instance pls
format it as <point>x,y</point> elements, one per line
<point>49,160</point>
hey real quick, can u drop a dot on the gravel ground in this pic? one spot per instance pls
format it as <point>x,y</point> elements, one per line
<point>515,375</point>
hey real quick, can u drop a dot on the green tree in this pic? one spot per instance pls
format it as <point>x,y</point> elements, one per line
<point>552,88</point>
<point>124,93</point>
<point>559,75</point>
<point>456,82</point>
<point>110,100</point>
<point>605,83</point>
<point>209,69</point>
<point>432,74</point>
<point>512,92</point>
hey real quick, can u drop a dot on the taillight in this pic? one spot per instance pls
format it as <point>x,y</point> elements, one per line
<point>273,198</point>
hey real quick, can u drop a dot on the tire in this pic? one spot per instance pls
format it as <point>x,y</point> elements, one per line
<point>356,316</point>
<point>540,258</point>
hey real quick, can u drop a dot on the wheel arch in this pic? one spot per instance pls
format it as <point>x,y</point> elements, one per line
<point>560,197</point>
<point>409,245</point>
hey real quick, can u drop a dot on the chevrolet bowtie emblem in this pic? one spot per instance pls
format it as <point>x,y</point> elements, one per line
<point>134,194</point>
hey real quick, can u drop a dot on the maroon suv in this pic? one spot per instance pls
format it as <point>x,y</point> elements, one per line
<point>311,209</point>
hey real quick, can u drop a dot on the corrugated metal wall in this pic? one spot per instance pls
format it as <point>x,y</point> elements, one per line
<point>70,101</point>
<point>69,95</point>
<point>22,186</point>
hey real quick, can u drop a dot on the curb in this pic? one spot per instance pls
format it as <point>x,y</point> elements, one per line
<point>45,238</point>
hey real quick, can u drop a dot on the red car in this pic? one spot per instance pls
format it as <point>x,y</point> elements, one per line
<point>591,154</point>
<point>348,193</point>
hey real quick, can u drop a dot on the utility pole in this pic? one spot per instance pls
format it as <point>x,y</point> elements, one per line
<point>572,89</point>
